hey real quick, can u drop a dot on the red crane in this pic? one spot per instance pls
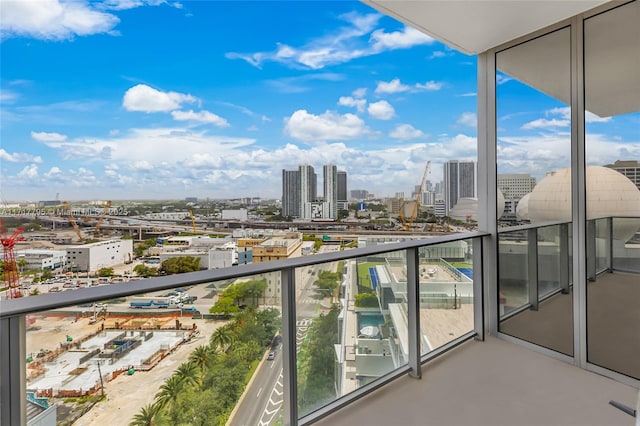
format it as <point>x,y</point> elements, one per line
<point>11,276</point>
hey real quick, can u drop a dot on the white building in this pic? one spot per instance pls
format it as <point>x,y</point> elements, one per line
<point>460,181</point>
<point>236,214</point>
<point>103,254</point>
<point>515,185</point>
<point>42,259</point>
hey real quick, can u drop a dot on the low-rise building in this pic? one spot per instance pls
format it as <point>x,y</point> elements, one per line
<point>103,254</point>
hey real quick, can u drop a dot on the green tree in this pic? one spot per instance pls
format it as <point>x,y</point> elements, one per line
<point>168,395</point>
<point>202,356</point>
<point>180,265</point>
<point>224,306</point>
<point>189,374</point>
<point>105,272</point>
<point>21,264</point>
<point>222,337</point>
<point>366,300</point>
<point>145,271</point>
<point>149,415</point>
<point>46,275</point>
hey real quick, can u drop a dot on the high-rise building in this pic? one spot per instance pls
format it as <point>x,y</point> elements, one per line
<point>308,185</point>
<point>330,193</point>
<point>343,203</point>
<point>359,194</point>
<point>460,181</point>
<point>291,193</point>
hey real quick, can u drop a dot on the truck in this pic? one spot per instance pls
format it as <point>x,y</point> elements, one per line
<point>155,302</point>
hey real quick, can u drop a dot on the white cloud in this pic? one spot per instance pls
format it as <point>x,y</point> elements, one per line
<point>48,137</point>
<point>7,96</point>
<point>359,93</point>
<point>18,157</point>
<point>469,119</point>
<point>348,101</point>
<point>147,99</point>
<point>393,86</point>
<point>29,172</point>
<point>406,132</point>
<point>404,39</point>
<point>469,94</point>
<point>53,173</point>
<point>355,40</point>
<point>325,127</point>
<point>543,123</point>
<point>141,165</point>
<point>502,78</point>
<point>53,19</point>
<point>200,117</point>
<point>381,110</point>
<point>589,117</point>
<point>430,85</point>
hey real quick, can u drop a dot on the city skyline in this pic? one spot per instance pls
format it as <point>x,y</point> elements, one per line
<point>122,108</point>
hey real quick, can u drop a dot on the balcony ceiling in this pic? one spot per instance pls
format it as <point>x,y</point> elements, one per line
<point>474,26</point>
<point>612,56</point>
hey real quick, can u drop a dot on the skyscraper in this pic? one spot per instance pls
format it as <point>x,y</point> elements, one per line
<point>331,190</point>
<point>291,193</point>
<point>343,203</point>
<point>308,185</point>
<point>460,181</point>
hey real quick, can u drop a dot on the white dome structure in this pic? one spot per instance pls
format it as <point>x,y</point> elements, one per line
<point>467,208</point>
<point>609,193</point>
<point>522,210</point>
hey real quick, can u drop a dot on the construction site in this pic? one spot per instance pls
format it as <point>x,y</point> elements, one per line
<point>71,358</point>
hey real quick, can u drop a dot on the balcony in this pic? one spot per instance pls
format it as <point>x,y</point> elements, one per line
<point>406,310</point>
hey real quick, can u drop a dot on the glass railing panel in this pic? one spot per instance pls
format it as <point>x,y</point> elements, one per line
<point>446,293</point>
<point>513,283</point>
<point>626,251</point>
<point>179,356</point>
<point>352,326</point>
<point>534,266</point>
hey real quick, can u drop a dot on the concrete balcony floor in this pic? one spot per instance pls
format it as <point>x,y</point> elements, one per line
<point>493,383</point>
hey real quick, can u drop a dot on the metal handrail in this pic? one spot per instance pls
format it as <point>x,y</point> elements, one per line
<point>43,302</point>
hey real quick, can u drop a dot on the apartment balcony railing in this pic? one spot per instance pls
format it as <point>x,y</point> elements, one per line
<point>426,305</point>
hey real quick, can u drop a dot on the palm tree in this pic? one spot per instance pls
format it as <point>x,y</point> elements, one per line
<point>168,395</point>
<point>188,374</point>
<point>223,337</point>
<point>169,391</point>
<point>201,356</point>
<point>149,415</point>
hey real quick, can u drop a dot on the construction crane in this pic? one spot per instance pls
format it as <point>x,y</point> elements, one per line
<point>76,228</point>
<point>193,222</point>
<point>407,223</point>
<point>11,276</point>
<point>96,231</point>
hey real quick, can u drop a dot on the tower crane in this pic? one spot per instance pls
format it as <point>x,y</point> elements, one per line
<point>407,223</point>
<point>193,222</point>
<point>96,231</point>
<point>11,277</point>
<point>76,228</point>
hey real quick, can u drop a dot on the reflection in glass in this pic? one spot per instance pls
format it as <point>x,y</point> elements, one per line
<point>534,179</point>
<point>446,293</point>
<point>612,117</point>
<point>352,326</point>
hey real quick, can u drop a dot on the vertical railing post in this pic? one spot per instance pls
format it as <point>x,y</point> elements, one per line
<point>610,244</point>
<point>592,261</point>
<point>289,372</point>
<point>13,390</point>
<point>413,300</point>
<point>478,288</point>
<point>563,256</point>
<point>532,267</point>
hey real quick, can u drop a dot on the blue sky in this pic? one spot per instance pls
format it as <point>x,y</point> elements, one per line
<point>151,99</point>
